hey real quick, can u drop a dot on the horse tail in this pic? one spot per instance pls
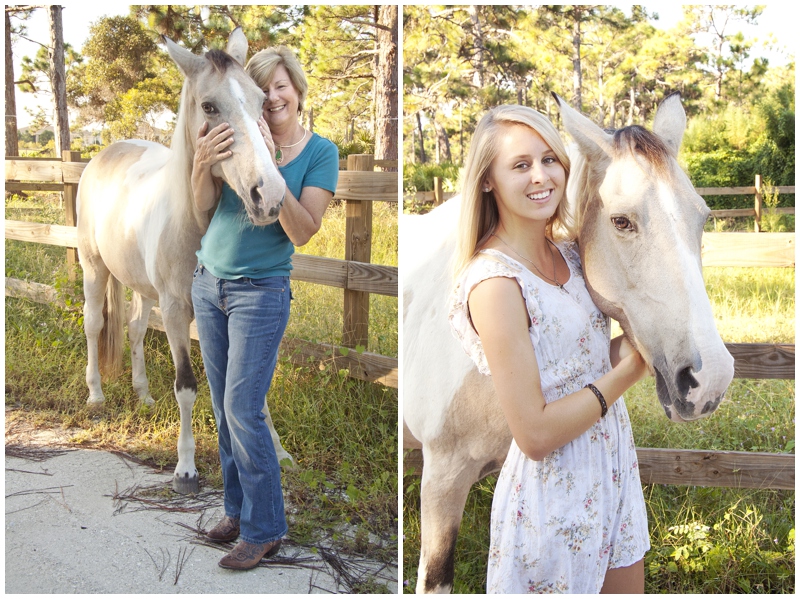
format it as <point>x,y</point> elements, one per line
<point>110,343</point>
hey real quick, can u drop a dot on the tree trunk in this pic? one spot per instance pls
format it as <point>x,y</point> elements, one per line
<point>386,92</point>
<point>577,82</point>
<point>421,140</point>
<point>58,80</point>
<point>12,141</point>
<point>443,142</point>
<point>632,102</point>
<point>479,44</point>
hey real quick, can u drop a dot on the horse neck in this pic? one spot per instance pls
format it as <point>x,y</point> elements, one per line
<point>183,146</point>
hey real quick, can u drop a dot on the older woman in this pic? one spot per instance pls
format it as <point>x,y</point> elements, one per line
<point>241,298</point>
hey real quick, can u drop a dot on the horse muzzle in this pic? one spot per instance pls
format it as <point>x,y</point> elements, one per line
<point>694,389</point>
<point>265,206</point>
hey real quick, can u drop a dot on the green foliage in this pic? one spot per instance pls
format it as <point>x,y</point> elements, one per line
<point>419,177</point>
<point>729,148</point>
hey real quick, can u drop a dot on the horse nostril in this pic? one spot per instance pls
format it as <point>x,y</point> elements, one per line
<point>275,210</point>
<point>686,381</point>
<point>255,195</point>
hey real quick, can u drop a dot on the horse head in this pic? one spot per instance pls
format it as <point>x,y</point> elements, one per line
<point>218,90</point>
<point>640,224</point>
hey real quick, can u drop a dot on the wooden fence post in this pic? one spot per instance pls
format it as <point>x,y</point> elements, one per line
<point>759,202</point>
<point>70,197</point>
<point>438,194</point>
<point>358,247</point>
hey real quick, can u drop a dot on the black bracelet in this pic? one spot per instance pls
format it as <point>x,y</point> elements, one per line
<point>600,397</point>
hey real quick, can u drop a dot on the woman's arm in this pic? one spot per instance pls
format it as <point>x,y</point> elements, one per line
<point>302,218</point>
<point>500,318</point>
<point>211,148</point>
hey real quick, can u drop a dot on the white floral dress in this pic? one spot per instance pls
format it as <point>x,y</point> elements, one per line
<point>559,524</point>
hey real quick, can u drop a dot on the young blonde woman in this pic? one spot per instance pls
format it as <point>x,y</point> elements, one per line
<point>568,513</point>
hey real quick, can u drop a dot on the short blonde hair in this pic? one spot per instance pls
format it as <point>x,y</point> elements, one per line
<point>479,215</point>
<point>261,68</point>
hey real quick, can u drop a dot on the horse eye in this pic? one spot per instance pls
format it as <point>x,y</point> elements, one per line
<point>208,108</point>
<point>622,223</point>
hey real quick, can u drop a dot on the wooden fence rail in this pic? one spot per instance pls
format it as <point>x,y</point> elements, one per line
<point>358,187</point>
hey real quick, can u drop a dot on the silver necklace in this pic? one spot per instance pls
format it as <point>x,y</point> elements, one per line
<point>279,147</point>
<point>552,255</point>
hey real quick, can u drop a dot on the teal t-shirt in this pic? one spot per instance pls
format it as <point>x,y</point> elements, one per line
<point>233,247</point>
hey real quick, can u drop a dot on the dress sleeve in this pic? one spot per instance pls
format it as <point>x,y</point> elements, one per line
<point>486,267</point>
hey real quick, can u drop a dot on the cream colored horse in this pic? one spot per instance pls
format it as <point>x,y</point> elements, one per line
<point>640,225</point>
<point>138,226</point>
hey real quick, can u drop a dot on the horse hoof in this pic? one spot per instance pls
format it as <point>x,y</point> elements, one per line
<point>186,485</point>
<point>147,402</point>
<point>288,463</point>
<point>95,404</point>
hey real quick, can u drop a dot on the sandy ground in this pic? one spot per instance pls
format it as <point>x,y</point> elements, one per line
<point>88,521</point>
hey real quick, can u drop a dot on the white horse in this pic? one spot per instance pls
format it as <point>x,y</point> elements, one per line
<point>640,224</point>
<point>138,226</point>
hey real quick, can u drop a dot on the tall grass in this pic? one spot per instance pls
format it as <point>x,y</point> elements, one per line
<point>704,540</point>
<point>342,432</point>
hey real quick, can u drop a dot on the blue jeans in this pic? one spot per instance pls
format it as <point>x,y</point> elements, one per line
<point>240,323</point>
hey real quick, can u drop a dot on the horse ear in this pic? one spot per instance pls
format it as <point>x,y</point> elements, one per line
<point>594,143</point>
<point>670,121</point>
<point>237,45</point>
<point>187,62</point>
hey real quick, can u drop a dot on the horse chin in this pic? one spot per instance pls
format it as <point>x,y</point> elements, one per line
<point>262,220</point>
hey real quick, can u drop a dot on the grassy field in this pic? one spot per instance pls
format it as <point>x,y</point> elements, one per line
<point>341,431</point>
<point>704,540</point>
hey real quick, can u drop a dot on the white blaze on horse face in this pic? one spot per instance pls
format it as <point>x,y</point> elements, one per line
<point>250,172</point>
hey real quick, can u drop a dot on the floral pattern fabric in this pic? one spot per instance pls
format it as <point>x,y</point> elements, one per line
<point>560,523</point>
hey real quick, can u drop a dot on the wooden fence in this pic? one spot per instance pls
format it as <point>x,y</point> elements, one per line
<point>358,187</point>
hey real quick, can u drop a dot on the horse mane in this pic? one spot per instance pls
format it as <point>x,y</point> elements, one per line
<point>645,144</point>
<point>221,61</point>
<point>632,140</point>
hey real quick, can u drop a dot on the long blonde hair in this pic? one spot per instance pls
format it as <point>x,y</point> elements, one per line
<point>479,215</point>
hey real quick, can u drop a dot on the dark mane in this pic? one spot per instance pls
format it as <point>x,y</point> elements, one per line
<point>220,60</point>
<point>641,142</point>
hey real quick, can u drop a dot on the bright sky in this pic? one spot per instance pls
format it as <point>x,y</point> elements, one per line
<point>77,18</point>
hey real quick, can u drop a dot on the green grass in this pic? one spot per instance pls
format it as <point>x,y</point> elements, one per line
<point>704,540</point>
<point>342,432</point>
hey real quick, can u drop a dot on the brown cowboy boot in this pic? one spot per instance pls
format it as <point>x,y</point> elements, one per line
<point>226,530</point>
<point>246,556</point>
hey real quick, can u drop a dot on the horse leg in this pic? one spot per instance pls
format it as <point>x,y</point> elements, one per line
<point>276,441</point>
<point>177,316</point>
<point>446,481</point>
<point>95,278</point>
<point>137,327</point>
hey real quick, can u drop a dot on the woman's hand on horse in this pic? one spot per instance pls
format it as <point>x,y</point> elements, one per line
<point>212,146</point>
<point>629,355</point>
